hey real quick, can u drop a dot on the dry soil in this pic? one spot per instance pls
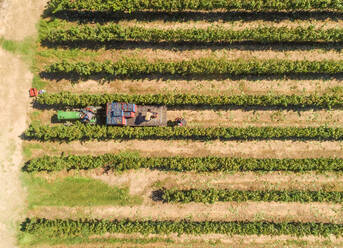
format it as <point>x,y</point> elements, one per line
<point>17,21</point>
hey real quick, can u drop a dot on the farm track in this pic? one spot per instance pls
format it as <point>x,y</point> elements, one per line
<point>198,117</point>
<point>272,211</point>
<point>202,241</point>
<point>254,86</point>
<point>187,53</point>
<point>160,148</point>
<point>235,25</point>
<point>17,21</point>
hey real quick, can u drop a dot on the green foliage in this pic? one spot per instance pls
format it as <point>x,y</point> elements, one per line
<point>280,101</point>
<point>38,83</point>
<point>25,48</point>
<point>76,192</point>
<point>213,195</point>
<point>27,239</point>
<point>204,66</point>
<point>27,149</point>
<point>172,5</point>
<point>72,228</point>
<point>81,131</point>
<point>198,164</point>
<point>115,32</point>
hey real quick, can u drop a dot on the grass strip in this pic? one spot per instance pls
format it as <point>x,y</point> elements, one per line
<point>75,191</point>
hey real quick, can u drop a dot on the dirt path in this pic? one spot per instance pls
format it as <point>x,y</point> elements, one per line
<point>159,148</point>
<point>13,119</point>
<point>220,211</point>
<point>201,87</point>
<point>17,21</point>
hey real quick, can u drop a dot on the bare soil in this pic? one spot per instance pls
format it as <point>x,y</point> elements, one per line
<point>256,149</point>
<point>235,25</point>
<point>17,21</point>
<point>14,81</point>
<point>219,241</point>
<point>227,211</point>
<point>259,118</point>
<point>253,86</point>
<point>184,53</point>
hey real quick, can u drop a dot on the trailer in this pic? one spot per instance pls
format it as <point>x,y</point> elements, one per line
<point>129,114</point>
<point>118,114</point>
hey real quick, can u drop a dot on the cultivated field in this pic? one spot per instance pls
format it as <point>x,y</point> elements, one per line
<point>260,161</point>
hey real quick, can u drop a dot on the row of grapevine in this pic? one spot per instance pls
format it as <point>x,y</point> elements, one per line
<point>70,228</point>
<point>214,195</point>
<point>80,131</point>
<point>198,164</point>
<point>109,33</point>
<point>281,101</point>
<point>179,5</point>
<point>203,66</point>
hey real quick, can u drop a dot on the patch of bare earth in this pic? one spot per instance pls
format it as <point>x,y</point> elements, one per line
<point>214,52</point>
<point>219,211</point>
<point>246,149</point>
<point>14,81</point>
<point>235,25</point>
<point>260,118</point>
<point>17,21</point>
<point>217,240</point>
<point>250,86</point>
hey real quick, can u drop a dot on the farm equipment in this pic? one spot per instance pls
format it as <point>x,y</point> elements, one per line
<point>86,115</point>
<point>118,114</point>
<point>33,92</point>
<point>181,122</point>
<point>130,114</point>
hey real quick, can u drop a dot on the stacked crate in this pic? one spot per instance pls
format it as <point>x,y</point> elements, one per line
<point>116,113</point>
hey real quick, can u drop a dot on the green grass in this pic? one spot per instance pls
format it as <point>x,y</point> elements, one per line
<point>25,48</point>
<point>38,83</point>
<point>75,191</point>
<point>27,150</point>
<point>74,54</point>
<point>29,240</point>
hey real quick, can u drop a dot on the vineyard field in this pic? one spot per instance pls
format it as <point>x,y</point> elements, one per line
<point>258,160</point>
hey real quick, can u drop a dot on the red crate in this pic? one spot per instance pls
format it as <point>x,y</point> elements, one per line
<point>33,92</point>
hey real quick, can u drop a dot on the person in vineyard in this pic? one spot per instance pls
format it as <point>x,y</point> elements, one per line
<point>150,115</point>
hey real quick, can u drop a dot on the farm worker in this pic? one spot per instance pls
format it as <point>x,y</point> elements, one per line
<point>148,115</point>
